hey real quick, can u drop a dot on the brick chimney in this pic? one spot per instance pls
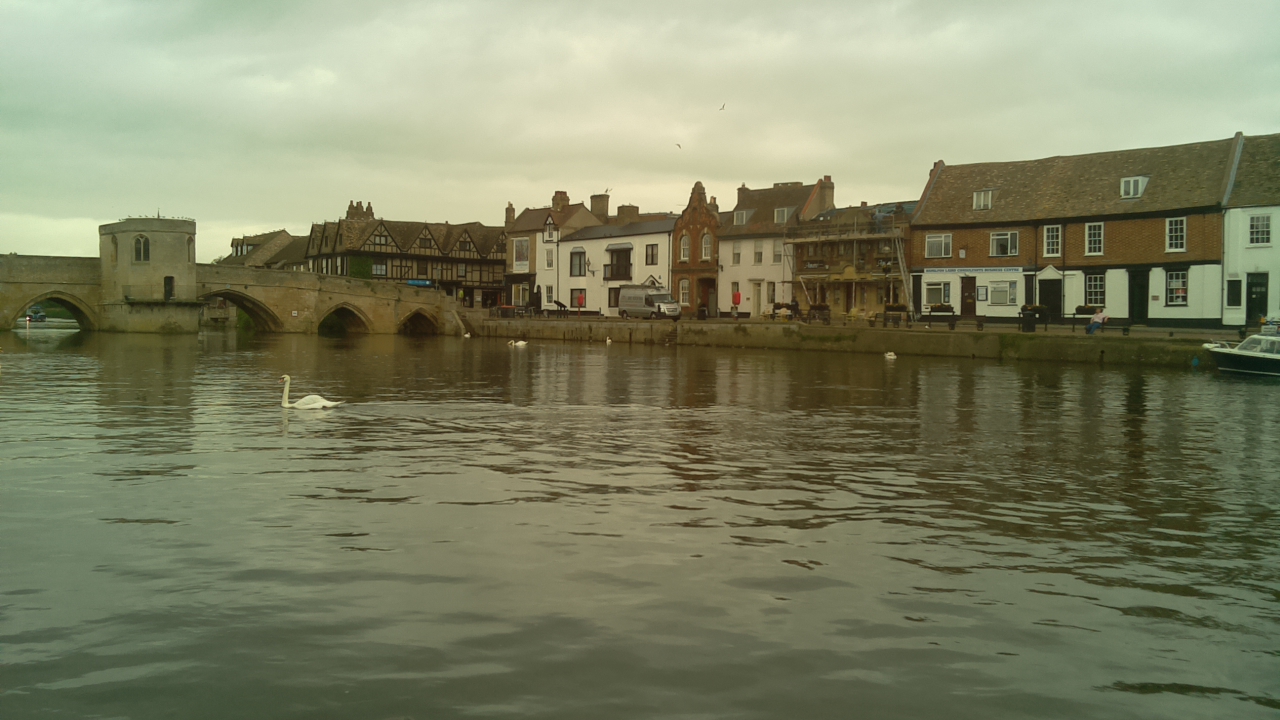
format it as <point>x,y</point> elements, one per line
<point>357,211</point>
<point>826,194</point>
<point>628,214</point>
<point>600,207</point>
<point>742,194</point>
<point>511,216</point>
<point>713,206</point>
<point>864,203</point>
<point>559,201</point>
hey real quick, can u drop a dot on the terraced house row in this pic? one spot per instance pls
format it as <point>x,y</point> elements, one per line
<point>1175,236</point>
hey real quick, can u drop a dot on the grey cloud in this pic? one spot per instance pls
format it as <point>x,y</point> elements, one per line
<point>255,115</point>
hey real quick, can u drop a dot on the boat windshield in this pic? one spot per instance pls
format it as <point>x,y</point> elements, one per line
<point>663,298</point>
<point>1253,344</point>
<point>1271,346</point>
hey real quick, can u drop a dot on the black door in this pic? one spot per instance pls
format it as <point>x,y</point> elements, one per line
<point>968,296</point>
<point>1256,304</point>
<point>1139,289</point>
<point>1051,298</point>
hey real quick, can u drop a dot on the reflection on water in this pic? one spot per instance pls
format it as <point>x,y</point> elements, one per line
<point>587,531</point>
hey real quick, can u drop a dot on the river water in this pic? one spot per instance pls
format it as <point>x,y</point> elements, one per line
<point>590,531</point>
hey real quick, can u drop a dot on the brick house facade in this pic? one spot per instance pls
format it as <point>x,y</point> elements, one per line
<point>695,254</point>
<point>1137,232</point>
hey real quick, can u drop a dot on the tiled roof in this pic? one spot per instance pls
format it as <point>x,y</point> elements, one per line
<point>1258,173</point>
<point>1180,177</point>
<point>536,218</point>
<point>760,205</point>
<point>267,246</point>
<point>612,231</point>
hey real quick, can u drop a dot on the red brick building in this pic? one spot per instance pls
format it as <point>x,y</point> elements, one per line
<point>695,255</point>
<point>1136,232</point>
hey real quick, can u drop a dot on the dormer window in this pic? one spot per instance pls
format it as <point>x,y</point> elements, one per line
<point>1132,187</point>
<point>551,231</point>
<point>982,199</point>
<point>739,217</point>
<point>780,215</point>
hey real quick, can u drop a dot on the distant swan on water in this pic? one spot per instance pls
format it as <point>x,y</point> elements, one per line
<point>310,402</point>
<point>890,355</point>
<point>517,343</point>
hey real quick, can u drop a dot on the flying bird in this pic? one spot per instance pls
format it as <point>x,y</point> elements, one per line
<point>722,106</point>
<point>678,145</point>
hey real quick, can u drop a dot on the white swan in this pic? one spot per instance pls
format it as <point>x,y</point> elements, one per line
<point>310,402</point>
<point>517,343</point>
<point>890,356</point>
<point>466,335</point>
<point>608,340</point>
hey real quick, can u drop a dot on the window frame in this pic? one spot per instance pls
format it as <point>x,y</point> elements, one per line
<point>684,292</point>
<point>375,266</point>
<point>1259,231</point>
<point>739,217</point>
<point>983,199</point>
<point>651,254</point>
<point>1010,237</point>
<point>1169,235</point>
<point>781,215</point>
<point>686,248</point>
<point>1102,239</point>
<point>551,258</point>
<point>707,247</point>
<point>944,292</point>
<point>1099,292</point>
<point>1057,231</point>
<point>777,251</point>
<point>737,252</point>
<point>142,249</point>
<point>757,251</point>
<point>1009,288</point>
<point>941,237</point>
<point>1169,288</point>
<point>577,297</point>
<point>1235,288</point>
<point>615,295</point>
<point>1132,187</point>
<point>578,263</point>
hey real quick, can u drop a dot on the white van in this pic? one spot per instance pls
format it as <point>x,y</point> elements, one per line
<point>647,301</point>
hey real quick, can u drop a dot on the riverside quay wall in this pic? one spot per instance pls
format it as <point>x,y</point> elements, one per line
<point>1108,349</point>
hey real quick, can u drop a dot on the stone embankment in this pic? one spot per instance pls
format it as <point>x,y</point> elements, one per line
<point>1110,349</point>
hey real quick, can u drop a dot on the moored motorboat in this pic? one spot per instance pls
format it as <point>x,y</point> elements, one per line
<point>1257,355</point>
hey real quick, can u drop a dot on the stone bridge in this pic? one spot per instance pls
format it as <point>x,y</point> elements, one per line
<point>276,300</point>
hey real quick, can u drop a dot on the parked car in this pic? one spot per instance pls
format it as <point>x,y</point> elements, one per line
<point>647,301</point>
<point>36,314</point>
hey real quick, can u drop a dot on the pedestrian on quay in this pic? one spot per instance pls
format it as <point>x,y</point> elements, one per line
<point>1097,321</point>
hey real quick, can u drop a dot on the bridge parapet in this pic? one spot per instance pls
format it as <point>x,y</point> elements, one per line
<point>292,301</point>
<point>73,282</point>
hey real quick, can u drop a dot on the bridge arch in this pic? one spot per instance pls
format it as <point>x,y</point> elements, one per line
<point>344,318</point>
<point>263,317</point>
<point>418,322</point>
<point>82,311</point>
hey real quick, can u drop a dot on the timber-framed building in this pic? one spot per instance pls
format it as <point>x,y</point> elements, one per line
<point>465,260</point>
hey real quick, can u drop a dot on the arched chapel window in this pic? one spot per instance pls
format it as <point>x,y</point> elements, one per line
<point>142,249</point>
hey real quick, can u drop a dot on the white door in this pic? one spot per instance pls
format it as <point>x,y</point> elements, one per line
<point>756,294</point>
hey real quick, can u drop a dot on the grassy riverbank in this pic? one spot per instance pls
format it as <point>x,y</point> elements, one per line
<point>1111,348</point>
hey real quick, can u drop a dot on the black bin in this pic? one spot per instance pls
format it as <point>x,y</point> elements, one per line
<point>1027,319</point>
<point>702,313</point>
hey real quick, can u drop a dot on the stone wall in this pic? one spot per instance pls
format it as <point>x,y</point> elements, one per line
<point>1105,349</point>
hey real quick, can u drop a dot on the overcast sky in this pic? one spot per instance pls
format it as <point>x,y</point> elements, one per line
<point>252,115</point>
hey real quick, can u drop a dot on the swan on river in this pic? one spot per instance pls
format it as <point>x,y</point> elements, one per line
<point>517,343</point>
<point>310,402</point>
